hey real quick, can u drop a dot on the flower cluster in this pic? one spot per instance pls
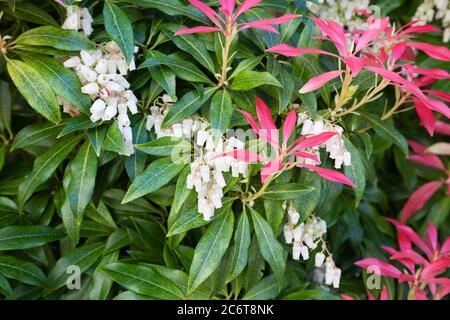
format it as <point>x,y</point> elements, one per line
<point>207,170</point>
<point>335,146</point>
<point>78,19</point>
<point>342,11</point>
<point>306,237</point>
<point>101,73</point>
<point>431,10</point>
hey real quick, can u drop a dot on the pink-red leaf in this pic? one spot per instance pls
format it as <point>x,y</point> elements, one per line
<point>314,140</point>
<point>442,128</point>
<point>247,5</point>
<point>318,81</point>
<point>426,116</point>
<point>329,174</point>
<point>290,51</point>
<point>270,168</point>
<point>410,255</point>
<point>434,51</point>
<point>247,156</point>
<point>264,115</point>
<point>289,125</point>
<point>383,268</point>
<point>432,236</point>
<point>306,155</point>
<point>206,10</point>
<point>435,268</point>
<point>201,29</point>
<point>227,6</point>
<point>418,199</point>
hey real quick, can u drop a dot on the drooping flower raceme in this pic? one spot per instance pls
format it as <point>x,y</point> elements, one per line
<point>419,271</point>
<point>207,170</point>
<point>306,237</point>
<point>345,12</point>
<point>393,60</point>
<point>335,146</point>
<point>78,19</point>
<point>435,10</point>
<point>102,74</point>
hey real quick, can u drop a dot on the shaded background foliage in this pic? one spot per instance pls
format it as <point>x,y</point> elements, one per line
<point>142,249</point>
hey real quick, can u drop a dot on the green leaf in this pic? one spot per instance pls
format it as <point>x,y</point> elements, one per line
<point>26,272</point>
<point>183,69</point>
<point>312,294</point>
<point>35,89</point>
<point>25,237</point>
<point>181,194</point>
<point>356,171</point>
<point>97,137</point>
<point>310,102</point>
<point>275,213</point>
<point>34,134</point>
<point>83,172</point>
<point>210,249</point>
<point>266,289</point>
<point>188,220</point>
<point>164,146</point>
<point>221,111</point>
<point>71,222</point>
<point>190,44</point>
<point>286,191</point>
<point>171,7</point>
<point>44,166</point>
<point>144,280</point>
<point>101,283</point>
<point>286,92</point>
<point>186,106</point>
<point>239,250</point>
<point>440,212</point>
<point>5,288</point>
<point>271,249</point>
<point>135,163</point>
<point>5,106</point>
<point>64,82</point>
<point>157,174</point>
<point>2,156</point>
<point>77,124</point>
<point>387,131</point>
<point>83,258</point>
<point>119,28</point>
<point>56,38</point>
<point>247,80</point>
<point>114,141</point>
<point>308,202</point>
<point>246,65</point>
<point>31,13</point>
<point>163,75</point>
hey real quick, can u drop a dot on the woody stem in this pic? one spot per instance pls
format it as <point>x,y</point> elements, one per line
<point>397,105</point>
<point>225,55</point>
<point>266,184</point>
<point>366,99</point>
<point>345,84</point>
